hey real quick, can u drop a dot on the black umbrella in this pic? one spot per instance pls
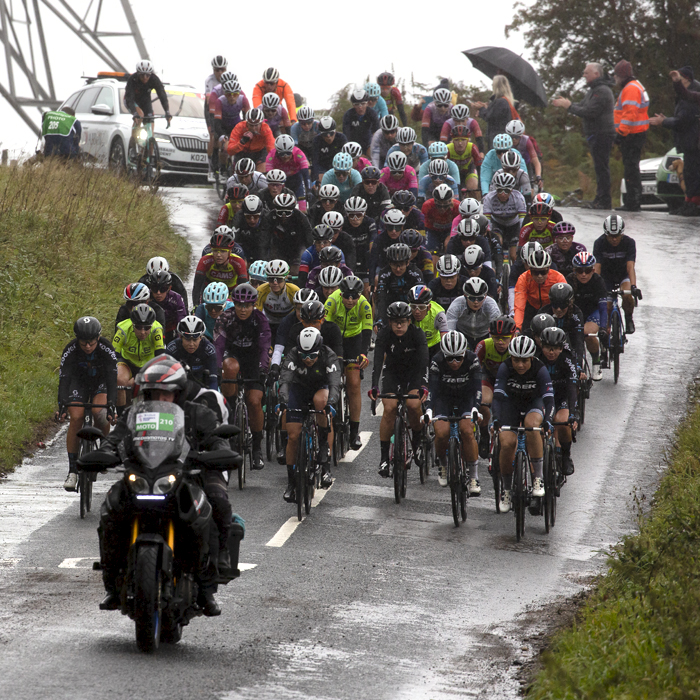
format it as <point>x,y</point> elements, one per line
<point>524,81</point>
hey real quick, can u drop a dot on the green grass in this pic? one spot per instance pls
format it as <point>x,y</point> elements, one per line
<point>638,636</point>
<point>71,238</point>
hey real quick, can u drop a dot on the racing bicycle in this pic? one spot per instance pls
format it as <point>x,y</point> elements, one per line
<point>401,453</point>
<point>144,162</point>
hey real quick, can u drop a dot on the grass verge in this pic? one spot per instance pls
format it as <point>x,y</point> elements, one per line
<point>638,634</point>
<point>71,238</point>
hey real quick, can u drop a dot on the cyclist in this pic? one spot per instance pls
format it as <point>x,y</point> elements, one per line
<point>563,372</point>
<point>244,173</point>
<point>467,233</point>
<point>459,116</point>
<point>532,287</point>
<point>492,351</point>
<point>615,254</point>
<point>438,151</point>
<point>322,236</point>
<point>218,64</point>
<point>214,302</point>
<point>360,121</point>
<point>195,352</point>
<point>384,140</point>
<point>455,389</point>
<point>293,163</point>
<point>310,376</point>
<point>591,296</point>
<point>517,268</point>
<point>396,279</point>
<point>344,241</point>
<point>242,341</point>
<point>275,296</point>
<point>134,294</point>
<point>271,82</point>
<point>505,209</point>
<point>398,175</point>
<point>438,174</point>
<point>472,313</point>
<point>392,224</point>
<point>374,192</point>
<point>234,201</point>
<point>447,286</point>
<point>392,95</point>
<point>467,157</point>
<point>291,232</point>
<point>401,355</point>
<point>564,249</point>
<point>405,202</point>
<point>526,147</point>
<point>326,145</point>
<point>354,150</point>
<point>221,265</point>
<point>352,313</point>
<point>160,284</point>
<point>420,257</point>
<point>329,280</point>
<point>474,267</point>
<point>276,185</point>
<point>304,130</point>
<point>257,273</point>
<point>375,99</point>
<point>547,198</point>
<point>88,374</point>
<point>276,116</point>
<point>225,112</point>
<point>252,139</point>
<point>312,314</point>
<point>510,163</point>
<point>502,144</point>
<point>439,213</point>
<point>435,115</point>
<point>523,395</point>
<point>363,231</point>
<point>540,228</point>
<point>342,175</point>
<point>330,256</point>
<point>428,315</point>
<point>328,196</point>
<point>568,317</point>
<point>416,153</point>
<point>137,340</point>
<point>159,263</point>
<point>253,229</point>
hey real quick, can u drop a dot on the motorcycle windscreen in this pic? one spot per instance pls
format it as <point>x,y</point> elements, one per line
<point>158,432</point>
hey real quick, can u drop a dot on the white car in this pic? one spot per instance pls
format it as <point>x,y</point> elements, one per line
<point>647,169</point>
<point>106,125</point>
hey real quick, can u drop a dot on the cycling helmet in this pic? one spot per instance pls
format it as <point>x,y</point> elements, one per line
<point>358,96</point>
<point>411,238</point>
<point>284,143</point>
<point>254,116</point>
<point>322,232</point>
<point>420,294</point>
<point>228,75</point>
<point>484,223</point>
<point>373,91</point>
<point>469,207</point>
<point>468,228</point>
<point>353,149</point>
<point>310,341</point>
<point>405,135</point>
<point>442,193</point>
<point>285,201</point>
<point>560,294</point>
<point>252,205</point>
<point>334,219</point>
<point>191,325</point>
<point>244,294</point>
<point>503,325</point>
<point>159,279</point>
<point>614,225</point>
<point>313,310</point>
<point>355,205</point>
<point>438,167</point>
<point>215,293</point>
<point>473,257</point>
<point>544,197</point>
<point>511,159</point>
<point>342,161</point>
<point>304,295</point>
<point>219,62</point>
<point>271,75</point>
<point>556,337</point>
<point>258,271</point>
<point>142,315</point>
<point>305,114</point>
<point>397,162</point>
<point>528,248</point>
<point>331,254</point>
<point>515,128</point>
<point>403,199</point>
<point>438,149</point>
<point>223,238</point>
<point>475,287</point>
<point>276,177</point>
<point>145,68</point>
<point>398,309</point>
<point>330,277</point>
<point>539,260</point>
<point>583,259</point>
<point>89,328</point>
<point>237,192</point>
<point>442,96</point>
<point>326,125</point>
<point>245,166</point>
<point>503,181</point>
<point>564,228</point>
<point>540,209</point>
<point>162,372</point>
<point>540,322</point>
<point>155,264</point>
<point>393,217</point>
<point>502,142</point>
<point>460,131</point>
<point>371,173</point>
<point>389,123</point>
<point>398,252</point>
<point>352,286</point>
<point>448,265</point>
<point>270,100</point>
<point>522,346</point>
<point>277,268</point>
<point>460,111</point>
<point>231,86</point>
<point>136,292</point>
<point>454,344</point>
<point>329,192</point>
<point>385,78</point>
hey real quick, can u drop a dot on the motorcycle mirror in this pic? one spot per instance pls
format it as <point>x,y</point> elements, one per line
<point>97,461</point>
<point>89,432</point>
<point>226,431</point>
<point>219,460</point>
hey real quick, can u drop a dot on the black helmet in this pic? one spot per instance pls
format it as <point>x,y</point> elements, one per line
<point>411,238</point>
<point>398,252</point>
<point>321,232</point>
<point>540,322</point>
<point>371,173</point>
<point>142,315</point>
<point>162,372</point>
<point>503,325</point>
<point>331,255</point>
<point>553,336</point>
<point>351,286</point>
<point>87,328</point>
<point>312,311</point>
<point>560,294</point>
<point>160,278</point>
<point>398,309</point>
<point>403,199</point>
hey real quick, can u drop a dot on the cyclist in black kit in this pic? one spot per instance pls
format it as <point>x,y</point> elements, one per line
<point>195,351</point>
<point>396,279</point>
<point>448,285</point>
<point>567,316</point>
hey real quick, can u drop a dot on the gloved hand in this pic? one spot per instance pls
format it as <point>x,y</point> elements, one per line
<point>280,408</point>
<point>475,415</point>
<point>263,376</point>
<point>330,410</point>
<point>274,374</point>
<point>424,393</point>
<point>547,426</point>
<point>428,416</point>
<point>246,138</point>
<point>373,393</point>
<point>496,425</point>
<point>111,413</point>
<point>235,518</point>
<point>168,118</point>
<point>636,292</point>
<point>362,361</point>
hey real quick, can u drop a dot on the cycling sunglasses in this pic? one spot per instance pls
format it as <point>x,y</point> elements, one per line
<point>351,297</point>
<point>278,280</point>
<point>234,94</point>
<point>223,250</point>
<point>284,213</point>
<point>143,328</point>
<point>328,201</point>
<point>394,228</point>
<point>355,216</point>
<point>539,273</point>
<point>161,288</point>
<point>504,189</point>
<point>371,182</point>
<point>453,358</point>
<point>476,299</point>
<point>308,355</point>
<point>419,307</point>
<point>502,338</point>
<point>214,308</point>
<point>540,218</point>
<point>243,304</point>
<point>190,336</point>
<point>341,173</point>
<point>270,82</point>
<point>583,270</point>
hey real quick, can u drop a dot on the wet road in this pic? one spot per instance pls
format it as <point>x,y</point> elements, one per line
<point>364,598</point>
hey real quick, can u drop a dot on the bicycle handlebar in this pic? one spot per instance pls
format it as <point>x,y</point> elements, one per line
<point>522,429</point>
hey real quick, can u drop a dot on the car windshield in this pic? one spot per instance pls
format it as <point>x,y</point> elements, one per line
<point>182,103</point>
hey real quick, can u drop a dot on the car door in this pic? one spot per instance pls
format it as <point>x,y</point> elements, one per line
<point>103,123</point>
<point>86,117</point>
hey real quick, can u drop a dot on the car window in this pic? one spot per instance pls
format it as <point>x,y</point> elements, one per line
<point>182,103</point>
<point>106,97</point>
<point>70,102</point>
<point>87,99</point>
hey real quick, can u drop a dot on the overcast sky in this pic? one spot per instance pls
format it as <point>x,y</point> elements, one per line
<point>318,48</point>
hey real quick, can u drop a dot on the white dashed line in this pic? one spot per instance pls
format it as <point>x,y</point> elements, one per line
<point>284,533</point>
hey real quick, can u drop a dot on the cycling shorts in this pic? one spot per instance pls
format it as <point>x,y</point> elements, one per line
<point>594,318</point>
<point>488,382</point>
<point>82,390</point>
<point>609,284</point>
<point>436,241</point>
<point>134,369</point>
<point>396,385</point>
<point>352,348</point>
<point>443,407</point>
<point>561,403</point>
<point>250,368</point>
<point>513,414</point>
<point>510,233</point>
<point>296,184</point>
<point>301,396</point>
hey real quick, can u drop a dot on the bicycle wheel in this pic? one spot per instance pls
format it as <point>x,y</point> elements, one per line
<point>547,469</point>
<point>398,457</point>
<point>505,276</point>
<point>405,449</point>
<point>241,447</point>
<point>151,170</point>
<point>220,184</point>
<point>519,494</point>
<point>454,478</point>
<point>270,426</point>
<point>301,473</point>
<point>309,481</point>
<point>464,491</point>
<point>85,480</point>
<point>556,470</point>
<point>616,343</point>
<point>496,473</point>
<point>424,448</point>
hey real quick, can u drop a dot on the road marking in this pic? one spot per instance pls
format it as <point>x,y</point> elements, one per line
<point>246,567</point>
<point>284,533</point>
<point>379,411</point>
<point>74,563</point>
<point>352,454</point>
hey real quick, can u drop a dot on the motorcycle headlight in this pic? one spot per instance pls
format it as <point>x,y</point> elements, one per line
<point>138,484</point>
<point>165,484</point>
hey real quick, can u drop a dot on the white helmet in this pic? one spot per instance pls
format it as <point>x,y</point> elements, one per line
<point>522,346</point>
<point>405,135</point>
<point>454,343</point>
<point>353,149</point>
<point>393,217</point>
<point>270,100</point>
<point>219,62</point>
<point>511,159</point>
<point>539,260</point>
<point>145,68</point>
<point>277,268</point>
<point>438,167</point>
<point>333,219</point>
<point>156,265</point>
<point>475,287</point>
<point>276,177</point>
<point>397,162</point>
<point>442,96</point>
<point>284,143</point>
<point>356,205</point>
<point>528,248</point>
<point>448,265</point>
<point>191,325</point>
<point>329,192</point>
<point>468,228</point>
<point>271,75</point>
<point>469,207</point>
<point>459,111</point>
<point>515,128</point>
<point>330,277</point>
<point>473,256</point>
<point>310,340</point>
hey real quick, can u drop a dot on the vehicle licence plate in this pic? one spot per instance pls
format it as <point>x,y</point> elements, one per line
<point>649,189</point>
<point>673,177</point>
<point>198,157</point>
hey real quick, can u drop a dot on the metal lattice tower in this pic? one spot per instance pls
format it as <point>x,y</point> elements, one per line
<point>27,56</point>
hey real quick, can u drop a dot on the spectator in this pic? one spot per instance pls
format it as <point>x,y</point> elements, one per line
<point>596,110</point>
<point>631,123</point>
<point>500,109</point>
<point>61,132</point>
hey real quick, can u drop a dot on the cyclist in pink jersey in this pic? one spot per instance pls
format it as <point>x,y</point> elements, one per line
<point>459,116</point>
<point>292,161</point>
<point>398,175</point>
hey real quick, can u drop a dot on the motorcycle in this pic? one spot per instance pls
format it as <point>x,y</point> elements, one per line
<point>171,517</point>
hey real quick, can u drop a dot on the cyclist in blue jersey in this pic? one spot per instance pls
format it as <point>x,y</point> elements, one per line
<point>304,130</point>
<point>502,143</point>
<point>324,148</point>
<point>375,99</point>
<point>194,350</point>
<point>342,175</point>
<point>437,175</point>
<point>439,151</point>
<point>416,153</point>
<point>214,302</point>
<point>323,238</point>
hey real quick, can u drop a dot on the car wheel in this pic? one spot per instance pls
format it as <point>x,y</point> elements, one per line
<point>117,157</point>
